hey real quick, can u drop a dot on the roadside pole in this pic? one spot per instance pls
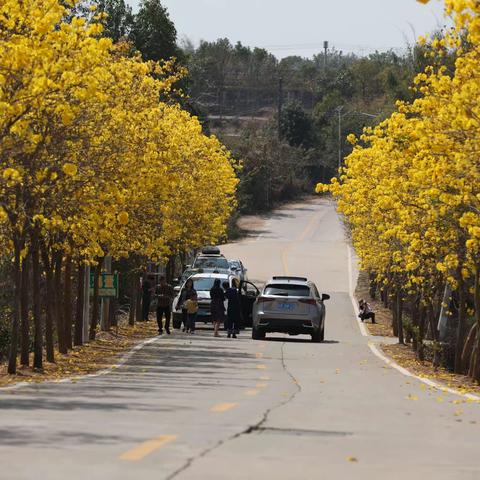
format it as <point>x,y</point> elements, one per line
<point>86,305</point>
<point>105,316</point>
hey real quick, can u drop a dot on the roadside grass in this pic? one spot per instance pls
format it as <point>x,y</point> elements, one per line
<point>92,357</point>
<point>383,317</point>
<point>405,357</point>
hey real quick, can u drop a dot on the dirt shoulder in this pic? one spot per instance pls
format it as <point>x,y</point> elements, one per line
<point>102,353</point>
<point>405,357</point>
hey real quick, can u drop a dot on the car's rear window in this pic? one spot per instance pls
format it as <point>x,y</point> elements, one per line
<point>287,290</point>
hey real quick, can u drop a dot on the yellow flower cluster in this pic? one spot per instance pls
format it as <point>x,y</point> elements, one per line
<point>91,160</point>
<point>411,188</point>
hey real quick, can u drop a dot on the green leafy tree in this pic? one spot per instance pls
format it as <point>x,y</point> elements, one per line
<point>154,33</point>
<point>120,19</point>
<point>296,126</point>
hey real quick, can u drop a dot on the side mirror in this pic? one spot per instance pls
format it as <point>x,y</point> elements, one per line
<point>325,297</point>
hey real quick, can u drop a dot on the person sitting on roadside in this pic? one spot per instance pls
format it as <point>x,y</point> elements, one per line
<point>366,312</point>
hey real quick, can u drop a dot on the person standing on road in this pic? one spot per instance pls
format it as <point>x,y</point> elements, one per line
<point>234,309</point>
<point>366,312</point>
<point>192,310</point>
<point>165,295</point>
<point>217,306</point>
<point>147,290</point>
<point>188,293</point>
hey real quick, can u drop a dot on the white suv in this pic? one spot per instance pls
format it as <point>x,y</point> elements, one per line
<point>290,305</point>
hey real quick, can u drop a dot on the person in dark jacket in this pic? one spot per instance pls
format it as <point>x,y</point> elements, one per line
<point>217,306</point>
<point>165,295</point>
<point>234,309</point>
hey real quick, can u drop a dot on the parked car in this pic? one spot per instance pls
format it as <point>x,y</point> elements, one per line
<point>202,282</point>
<point>211,258</point>
<point>290,305</point>
<point>237,267</point>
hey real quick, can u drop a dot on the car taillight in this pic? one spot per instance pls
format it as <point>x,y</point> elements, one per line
<point>309,301</point>
<point>266,299</point>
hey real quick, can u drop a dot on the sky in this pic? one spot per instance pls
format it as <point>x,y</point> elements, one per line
<point>286,27</point>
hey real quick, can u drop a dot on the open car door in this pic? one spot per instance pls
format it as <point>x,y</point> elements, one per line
<point>248,294</point>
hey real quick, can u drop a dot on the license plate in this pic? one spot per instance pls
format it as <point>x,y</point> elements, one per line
<point>286,306</point>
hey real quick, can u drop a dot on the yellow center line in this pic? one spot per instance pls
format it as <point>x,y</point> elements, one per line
<point>308,229</point>
<point>252,393</point>
<point>261,385</point>
<point>259,355</point>
<point>262,367</point>
<point>146,448</point>
<point>264,378</point>
<point>223,407</point>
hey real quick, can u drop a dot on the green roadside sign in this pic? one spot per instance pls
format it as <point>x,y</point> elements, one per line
<point>107,284</point>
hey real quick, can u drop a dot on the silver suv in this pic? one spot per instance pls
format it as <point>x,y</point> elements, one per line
<point>290,305</point>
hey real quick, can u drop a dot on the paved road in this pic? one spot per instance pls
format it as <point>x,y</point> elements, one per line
<point>204,408</point>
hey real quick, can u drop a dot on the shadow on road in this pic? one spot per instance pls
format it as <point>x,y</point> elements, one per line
<point>298,340</point>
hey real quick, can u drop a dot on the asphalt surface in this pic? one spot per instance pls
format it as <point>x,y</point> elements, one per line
<point>197,407</point>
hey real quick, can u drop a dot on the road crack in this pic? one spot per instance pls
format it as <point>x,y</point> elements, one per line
<point>250,429</point>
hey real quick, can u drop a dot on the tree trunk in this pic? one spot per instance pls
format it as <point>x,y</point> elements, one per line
<point>96,306</point>
<point>25,312</point>
<point>50,318</point>
<point>67,303</point>
<point>421,334</point>
<point>395,316</point>
<point>476,365</point>
<point>138,304</point>
<point>37,305</point>
<point>468,349</point>
<point>17,282</point>
<point>58,295</point>
<point>461,327</point>
<point>78,336</point>
<point>415,324</point>
<point>399,308</point>
<point>133,299</point>
<point>432,321</point>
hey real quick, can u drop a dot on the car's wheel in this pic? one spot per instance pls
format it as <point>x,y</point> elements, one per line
<point>257,334</point>
<point>317,336</point>
<point>177,322</point>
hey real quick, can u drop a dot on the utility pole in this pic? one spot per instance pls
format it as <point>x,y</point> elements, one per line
<point>325,47</point>
<point>86,305</point>
<point>105,321</point>
<point>280,106</point>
